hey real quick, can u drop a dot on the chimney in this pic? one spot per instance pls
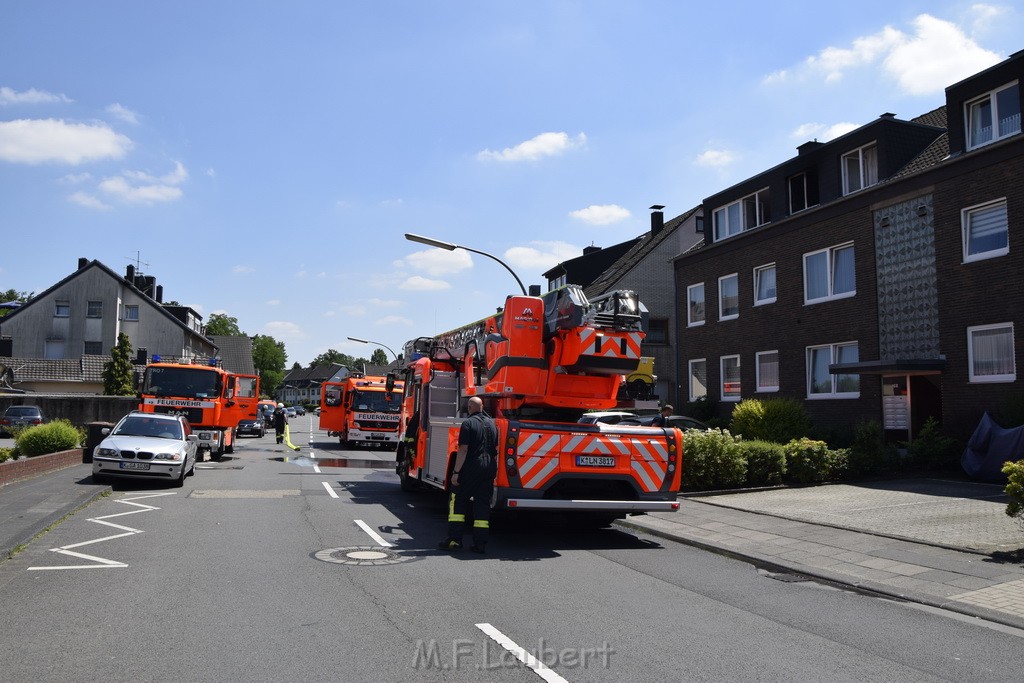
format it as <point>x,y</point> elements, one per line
<point>657,219</point>
<point>590,250</point>
<point>129,273</point>
<point>82,262</point>
<point>808,147</point>
<point>159,294</point>
<point>887,115</point>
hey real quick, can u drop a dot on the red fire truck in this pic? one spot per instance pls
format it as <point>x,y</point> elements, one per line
<point>538,364</point>
<point>361,410</point>
<point>210,398</point>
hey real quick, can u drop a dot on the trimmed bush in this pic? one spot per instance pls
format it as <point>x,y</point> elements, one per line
<point>779,420</point>
<point>869,453</point>
<point>933,449</point>
<point>766,462</point>
<point>6,454</point>
<point>807,461</point>
<point>712,460</point>
<point>1014,472</point>
<point>59,435</point>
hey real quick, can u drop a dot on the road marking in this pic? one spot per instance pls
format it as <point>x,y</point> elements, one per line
<point>373,534</point>
<point>522,655</point>
<point>103,563</point>
<point>316,468</point>
<point>329,489</point>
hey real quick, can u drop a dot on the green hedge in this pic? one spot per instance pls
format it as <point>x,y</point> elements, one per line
<point>807,461</point>
<point>779,420</point>
<point>1014,472</point>
<point>59,435</point>
<point>712,459</point>
<point>766,462</point>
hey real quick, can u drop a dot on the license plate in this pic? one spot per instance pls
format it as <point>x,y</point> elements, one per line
<point>135,466</point>
<point>595,461</point>
<point>376,435</point>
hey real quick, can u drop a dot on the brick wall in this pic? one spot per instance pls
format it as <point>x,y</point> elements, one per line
<point>24,468</point>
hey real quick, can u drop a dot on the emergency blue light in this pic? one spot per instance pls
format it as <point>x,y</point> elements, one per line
<point>156,358</point>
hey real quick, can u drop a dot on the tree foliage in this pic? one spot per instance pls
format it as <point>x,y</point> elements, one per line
<point>269,357</point>
<point>378,357</point>
<point>223,324</point>
<point>13,295</point>
<point>119,371</point>
<point>333,356</point>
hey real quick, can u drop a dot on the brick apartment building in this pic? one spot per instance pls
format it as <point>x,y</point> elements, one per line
<point>873,277</point>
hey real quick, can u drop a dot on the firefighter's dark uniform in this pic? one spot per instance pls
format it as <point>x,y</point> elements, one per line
<point>476,480</point>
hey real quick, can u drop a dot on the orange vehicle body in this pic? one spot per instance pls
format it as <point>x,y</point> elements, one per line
<point>361,410</point>
<point>210,398</point>
<point>538,364</point>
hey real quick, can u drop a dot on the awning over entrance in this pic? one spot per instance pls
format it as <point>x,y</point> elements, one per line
<point>913,366</point>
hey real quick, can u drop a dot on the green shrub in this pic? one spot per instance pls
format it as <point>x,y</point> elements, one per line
<point>1014,472</point>
<point>6,454</point>
<point>59,435</point>
<point>766,462</point>
<point>772,419</point>
<point>838,464</point>
<point>933,449</point>
<point>807,461</point>
<point>869,453</point>
<point>712,460</point>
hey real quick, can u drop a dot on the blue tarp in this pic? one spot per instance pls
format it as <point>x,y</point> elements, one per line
<point>989,447</point>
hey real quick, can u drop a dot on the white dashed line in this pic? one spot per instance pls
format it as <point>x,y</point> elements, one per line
<point>522,655</point>
<point>329,489</point>
<point>316,468</point>
<point>373,534</point>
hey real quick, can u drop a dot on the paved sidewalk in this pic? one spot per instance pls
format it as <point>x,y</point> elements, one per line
<point>947,544</point>
<point>29,506</point>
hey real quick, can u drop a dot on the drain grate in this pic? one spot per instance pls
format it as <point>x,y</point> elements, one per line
<point>362,555</point>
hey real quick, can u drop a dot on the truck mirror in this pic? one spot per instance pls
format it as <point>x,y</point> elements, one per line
<point>389,383</point>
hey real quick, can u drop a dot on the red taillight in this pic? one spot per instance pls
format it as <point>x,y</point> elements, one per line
<point>675,506</point>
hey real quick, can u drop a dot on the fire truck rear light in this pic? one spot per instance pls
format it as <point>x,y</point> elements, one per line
<point>675,506</point>
<point>511,462</point>
<point>513,503</point>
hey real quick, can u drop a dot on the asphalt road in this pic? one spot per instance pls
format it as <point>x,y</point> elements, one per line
<point>272,565</point>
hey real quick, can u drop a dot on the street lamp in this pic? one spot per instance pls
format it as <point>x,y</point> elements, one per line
<point>367,341</point>
<point>430,242</point>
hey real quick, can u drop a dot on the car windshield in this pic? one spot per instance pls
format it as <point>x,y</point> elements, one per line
<point>22,411</point>
<point>147,426</point>
<point>375,401</point>
<point>185,382</point>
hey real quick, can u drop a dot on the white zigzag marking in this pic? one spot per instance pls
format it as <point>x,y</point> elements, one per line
<point>100,562</point>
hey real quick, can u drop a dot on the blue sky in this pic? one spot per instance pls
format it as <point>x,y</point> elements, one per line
<point>265,160</point>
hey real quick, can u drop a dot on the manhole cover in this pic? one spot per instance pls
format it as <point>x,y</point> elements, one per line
<point>362,555</point>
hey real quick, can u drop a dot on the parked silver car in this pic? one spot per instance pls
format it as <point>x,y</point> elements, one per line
<point>20,416</point>
<point>147,446</point>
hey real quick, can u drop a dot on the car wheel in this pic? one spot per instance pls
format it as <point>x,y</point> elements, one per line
<point>192,469</point>
<point>180,481</point>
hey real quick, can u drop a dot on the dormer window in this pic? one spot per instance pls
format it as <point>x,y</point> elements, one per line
<point>860,168</point>
<point>993,116</point>
<point>743,214</point>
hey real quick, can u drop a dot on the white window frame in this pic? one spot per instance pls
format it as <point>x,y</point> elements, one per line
<point>55,349</point>
<point>694,396</point>
<point>965,230</point>
<point>833,350</point>
<point>721,313</point>
<point>864,178</point>
<point>61,309</point>
<point>721,378</point>
<point>128,310</point>
<point>90,313</point>
<point>758,272</point>
<point>731,219</point>
<point>690,301</point>
<point>764,388</point>
<point>802,176</point>
<point>973,376</point>
<point>992,98</point>
<point>830,274</point>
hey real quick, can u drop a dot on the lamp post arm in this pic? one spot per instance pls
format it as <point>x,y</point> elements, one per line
<point>505,265</point>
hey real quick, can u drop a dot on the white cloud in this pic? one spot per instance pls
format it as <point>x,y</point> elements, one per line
<point>439,262</point>
<point>543,145</point>
<point>273,302</point>
<point>716,158</point>
<point>30,96</point>
<point>36,141</point>
<point>540,256</point>
<point>822,132</point>
<point>422,284</point>
<point>985,16</point>
<point>935,54</point>
<point>75,178</point>
<point>242,270</point>
<point>88,201</point>
<point>284,331</point>
<point>123,113</point>
<point>601,214</point>
<point>353,310</point>
<point>384,303</point>
<point>138,187</point>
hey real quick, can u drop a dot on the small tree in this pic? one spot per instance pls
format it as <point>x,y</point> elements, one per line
<point>378,357</point>
<point>118,372</point>
<point>221,324</point>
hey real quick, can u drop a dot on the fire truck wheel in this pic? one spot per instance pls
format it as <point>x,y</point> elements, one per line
<point>230,448</point>
<point>406,481</point>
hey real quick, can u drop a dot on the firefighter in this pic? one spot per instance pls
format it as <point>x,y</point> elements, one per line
<point>662,419</point>
<point>472,480</point>
<point>280,421</point>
